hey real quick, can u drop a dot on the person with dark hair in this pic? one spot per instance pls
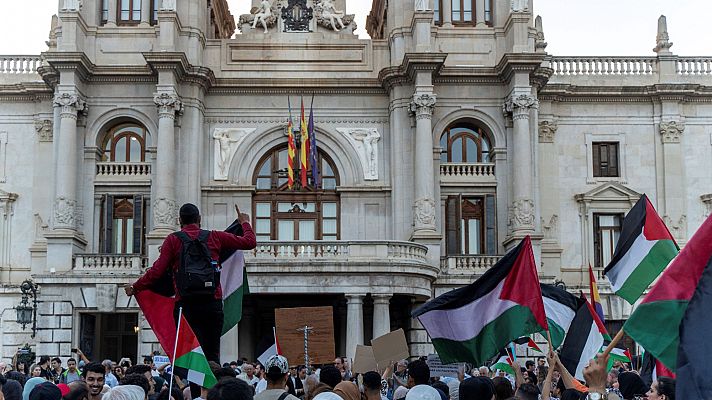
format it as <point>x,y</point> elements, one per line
<point>78,390</point>
<point>12,390</point>
<point>502,388</point>
<point>225,372</point>
<point>662,389</point>
<point>144,370</point>
<point>93,375</point>
<point>17,376</point>
<point>57,370</point>
<point>230,389</point>
<point>476,388</point>
<point>45,370</point>
<point>527,391</point>
<point>372,385</point>
<point>175,395</point>
<point>277,372</point>
<point>23,368</point>
<point>442,388</point>
<point>631,385</point>
<point>330,375</point>
<point>136,380</point>
<point>202,304</point>
<point>418,373</point>
<point>71,374</point>
<point>46,391</point>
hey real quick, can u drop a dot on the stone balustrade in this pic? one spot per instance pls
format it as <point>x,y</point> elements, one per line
<point>123,171</point>
<point>467,173</point>
<point>604,65</point>
<point>19,64</point>
<point>339,251</point>
<point>110,263</point>
<point>468,264</point>
<point>694,65</point>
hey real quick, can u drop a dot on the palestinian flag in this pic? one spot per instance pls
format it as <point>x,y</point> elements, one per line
<point>189,356</point>
<point>583,340</point>
<point>560,307</point>
<point>531,344</point>
<point>503,363</point>
<point>233,281</point>
<point>652,368</point>
<point>472,323</point>
<point>655,323</point>
<point>643,251</point>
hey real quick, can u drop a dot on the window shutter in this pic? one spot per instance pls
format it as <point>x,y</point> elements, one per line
<point>137,223</point>
<point>108,220</point>
<point>452,225</point>
<point>613,159</point>
<point>596,159</point>
<point>490,225</point>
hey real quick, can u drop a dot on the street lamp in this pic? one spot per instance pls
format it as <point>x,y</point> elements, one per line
<point>26,312</point>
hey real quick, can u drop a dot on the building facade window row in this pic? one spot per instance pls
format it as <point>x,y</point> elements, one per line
<point>128,12</point>
<point>463,12</point>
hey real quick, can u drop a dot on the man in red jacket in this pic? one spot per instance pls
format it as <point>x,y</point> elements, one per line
<point>204,314</point>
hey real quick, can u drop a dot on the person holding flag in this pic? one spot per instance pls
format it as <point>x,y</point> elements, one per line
<point>189,260</point>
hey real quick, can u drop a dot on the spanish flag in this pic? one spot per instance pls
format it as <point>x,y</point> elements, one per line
<point>304,155</point>
<point>595,297</point>
<point>292,150</point>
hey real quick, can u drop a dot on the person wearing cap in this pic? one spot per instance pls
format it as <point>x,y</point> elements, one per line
<point>45,391</point>
<point>277,374</point>
<point>205,316</point>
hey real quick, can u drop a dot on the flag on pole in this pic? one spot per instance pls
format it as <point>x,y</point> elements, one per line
<point>593,292</point>
<point>313,155</point>
<point>233,281</point>
<point>644,249</point>
<point>291,149</point>
<point>189,356</point>
<point>272,350</point>
<point>651,368</point>
<point>561,307</point>
<point>304,155</point>
<point>583,341</point>
<point>504,363</point>
<point>472,323</point>
<point>656,323</point>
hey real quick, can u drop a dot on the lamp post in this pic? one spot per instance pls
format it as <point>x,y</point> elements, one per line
<point>26,312</point>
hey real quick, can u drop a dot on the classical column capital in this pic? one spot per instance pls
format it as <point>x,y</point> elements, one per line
<point>547,131</point>
<point>381,298</point>
<point>671,131</point>
<point>423,105</point>
<point>521,215</point>
<point>519,105</point>
<point>70,104</point>
<point>168,104</point>
<point>354,298</point>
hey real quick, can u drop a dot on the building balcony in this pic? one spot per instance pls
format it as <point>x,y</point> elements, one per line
<point>19,68</point>
<point>467,264</point>
<point>112,264</point>
<point>118,173</point>
<point>467,174</point>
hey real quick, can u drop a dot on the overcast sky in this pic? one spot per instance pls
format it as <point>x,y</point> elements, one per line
<point>572,27</point>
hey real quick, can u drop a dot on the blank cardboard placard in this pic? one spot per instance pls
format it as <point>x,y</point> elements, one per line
<point>364,360</point>
<point>389,348</point>
<point>289,321</point>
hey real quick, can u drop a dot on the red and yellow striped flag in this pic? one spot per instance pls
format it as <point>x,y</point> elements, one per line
<point>292,148</point>
<point>305,145</point>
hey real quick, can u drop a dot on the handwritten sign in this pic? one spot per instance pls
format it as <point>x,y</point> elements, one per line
<point>437,368</point>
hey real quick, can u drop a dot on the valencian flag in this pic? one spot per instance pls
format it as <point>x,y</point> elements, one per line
<point>560,307</point>
<point>291,149</point>
<point>657,323</point>
<point>643,251</point>
<point>313,155</point>
<point>583,341</point>
<point>472,323</point>
<point>189,356</point>
<point>593,292</point>
<point>304,154</point>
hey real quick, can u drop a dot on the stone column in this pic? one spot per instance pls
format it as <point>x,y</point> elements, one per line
<point>65,202</point>
<point>354,323</point>
<point>447,13</point>
<point>164,205</point>
<point>675,218</point>
<point>423,105</point>
<point>381,315</point>
<point>146,12</point>
<point>480,13</point>
<point>522,213</point>
<point>113,12</point>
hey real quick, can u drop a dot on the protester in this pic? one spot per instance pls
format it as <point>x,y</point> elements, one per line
<point>111,380</point>
<point>93,375</point>
<point>662,389</point>
<point>17,377</point>
<point>476,388</point>
<point>527,391</point>
<point>631,385</point>
<point>144,370</point>
<point>314,388</point>
<point>125,392</point>
<point>175,394</point>
<point>139,380</point>
<point>347,390</point>
<point>418,373</point>
<point>71,374</point>
<point>248,374</point>
<point>57,370</point>
<point>78,390</point>
<point>36,372</point>
<point>277,374</point>
<point>204,313</point>
<point>400,393</point>
<point>330,375</point>
<point>502,388</point>
<point>422,392</point>
<point>372,386</point>
<point>454,388</point>
<point>29,385</point>
<point>12,390</point>
<point>230,389</point>
<point>45,391</point>
<point>400,377</point>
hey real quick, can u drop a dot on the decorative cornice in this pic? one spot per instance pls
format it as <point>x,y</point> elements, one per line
<point>282,120</point>
<point>412,63</point>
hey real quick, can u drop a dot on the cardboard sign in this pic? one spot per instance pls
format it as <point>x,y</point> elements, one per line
<point>390,348</point>
<point>289,321</point>
<point>364,360</point>
<point>437,368</point>
<point>160,361</point>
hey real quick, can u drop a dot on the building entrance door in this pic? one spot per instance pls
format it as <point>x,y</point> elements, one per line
<point>109,336</point>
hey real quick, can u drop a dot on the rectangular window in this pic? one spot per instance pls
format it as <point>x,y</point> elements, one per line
<point>436,12</point>
<point>129,11</point>
<point>605,159</point>
<point>104,11</point>
<point>488,13</point>
<point>470,225</point>
<point>154,12</point>
<point>296,220</point>
<point>123,224</point>
<point>263,225</point>
<point>462,12</point>
<point>607,230</point>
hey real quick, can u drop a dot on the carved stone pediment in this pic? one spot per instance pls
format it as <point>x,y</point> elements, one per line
<point>611,191</point>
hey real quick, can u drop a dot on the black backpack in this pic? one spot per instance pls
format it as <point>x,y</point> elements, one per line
<point>197,274</point>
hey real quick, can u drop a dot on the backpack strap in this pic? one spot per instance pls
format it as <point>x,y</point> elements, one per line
<point>283,396</point>
<point>183,237</point>
<point>203,235</point>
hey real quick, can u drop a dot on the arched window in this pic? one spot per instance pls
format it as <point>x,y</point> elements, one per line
<point>125,143</point>
<point>465,143</point>
<point>300,213</point>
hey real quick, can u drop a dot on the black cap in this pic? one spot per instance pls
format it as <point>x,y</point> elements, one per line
<point>189,212</point>
<point>46,391</point>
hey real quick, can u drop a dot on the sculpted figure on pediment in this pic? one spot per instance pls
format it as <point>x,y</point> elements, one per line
<point>328,16</point>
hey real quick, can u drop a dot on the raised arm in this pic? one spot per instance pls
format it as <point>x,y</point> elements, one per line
<point>546,387</point>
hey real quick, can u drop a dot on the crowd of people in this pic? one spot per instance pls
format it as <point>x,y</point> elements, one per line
<point>277,380</point>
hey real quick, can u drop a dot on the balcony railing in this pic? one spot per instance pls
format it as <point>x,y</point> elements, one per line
<point>604,65</point>
<point>467,264</point>
<point>123,171</point>
<point>694,65</point>
<point>463,173</point>
<point>340,251</point>
<point>19,64</point>
<point>110,263</point>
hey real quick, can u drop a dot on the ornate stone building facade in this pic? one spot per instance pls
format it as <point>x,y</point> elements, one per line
<point>442,141</point>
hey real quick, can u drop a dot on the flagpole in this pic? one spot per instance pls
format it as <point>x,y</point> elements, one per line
<point>175,349</point>
<point>613,343</point>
